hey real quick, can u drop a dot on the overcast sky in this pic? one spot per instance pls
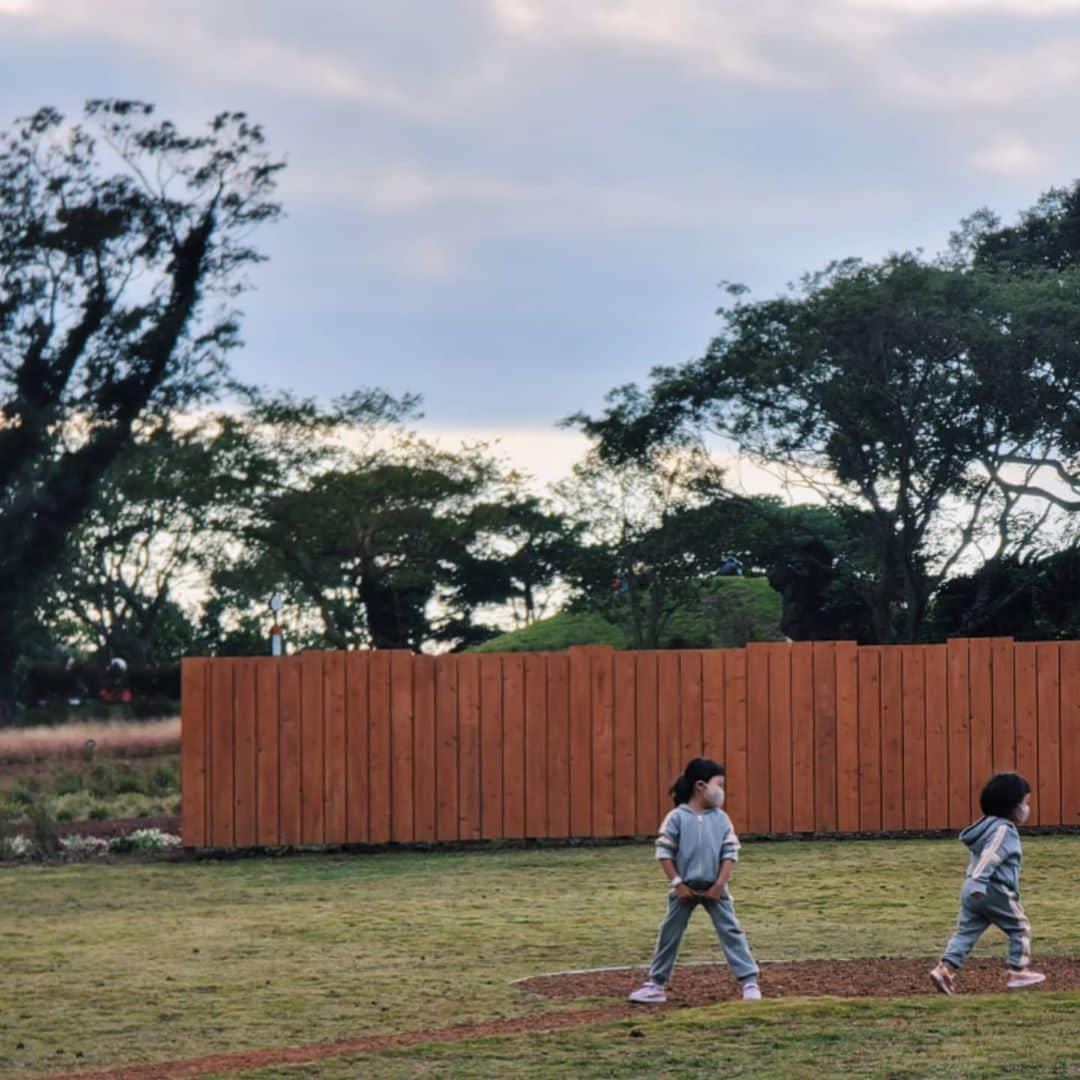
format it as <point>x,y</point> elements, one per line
<point>511,206</point>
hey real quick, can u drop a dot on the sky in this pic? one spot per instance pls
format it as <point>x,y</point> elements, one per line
<point>512,206</point>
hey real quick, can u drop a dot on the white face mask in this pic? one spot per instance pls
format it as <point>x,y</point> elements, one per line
<point>1023,812</point>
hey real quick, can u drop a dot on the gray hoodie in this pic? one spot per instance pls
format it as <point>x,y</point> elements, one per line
<point>697,844</point>
<point>994,844</point>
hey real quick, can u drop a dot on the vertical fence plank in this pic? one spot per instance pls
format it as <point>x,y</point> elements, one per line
<point>289,749</point>
<point>712,704</point>
<point>869,660</point>
<point>335,749</point>
<point>357,791</point>
<point>669,758</point>
<point>446,734</point>
<point>691,738</point>
<point>194,751</point>
<point>425,783</point>
<point>602,704</point>
<point>1047,797</point>
<point>580,741</point>
<point>735,736</point>
<point>802,736</point>
<point>491,742</point>
<point>536,778</point>
<point>469,747</point>
<point>625,690</point>
<point>937,739</point>
<point>913,663</point>
<point>892,739</point>
<point>558,745</point>
<point>221,753</point>
<point>245,764</point>
<point>980,695</point>
<point>1070,733</point>
<point>380,806</point>
<point>312,742</point>
<point>825,735</point>
<point>959,734</point>
<point>780,738</point>
<point>268,782</point>
<point>648,787</point>
<point>402,746</point>
<point>758,796</point>
<point>1026,711</point>
<point>847,737</point>
<point>513,746</point>
<point>1003,739</point>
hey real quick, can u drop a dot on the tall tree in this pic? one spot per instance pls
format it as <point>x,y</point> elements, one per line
<point>897,390</point>
<point>122,243</point>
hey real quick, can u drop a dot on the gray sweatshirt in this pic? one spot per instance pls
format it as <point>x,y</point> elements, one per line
<point>697,844</point>
<point>994,844</point>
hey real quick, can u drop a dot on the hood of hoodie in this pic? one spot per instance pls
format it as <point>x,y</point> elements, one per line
<point>978,832</point>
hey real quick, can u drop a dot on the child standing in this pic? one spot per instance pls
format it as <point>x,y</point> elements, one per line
<point>697,849</point>
<point>990,894</point>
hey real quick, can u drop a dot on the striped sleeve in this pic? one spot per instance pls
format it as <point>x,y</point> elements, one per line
<point>730,846</point>
<point>996,848</point>
<point>667,841</point>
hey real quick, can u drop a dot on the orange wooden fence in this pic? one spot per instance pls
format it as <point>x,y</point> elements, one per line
<point>378,747</point>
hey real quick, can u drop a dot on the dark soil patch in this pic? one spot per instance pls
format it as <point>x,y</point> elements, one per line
<point>706,984</point>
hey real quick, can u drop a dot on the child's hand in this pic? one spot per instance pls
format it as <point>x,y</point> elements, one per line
<point>713,893</point>
<point>684,894</point>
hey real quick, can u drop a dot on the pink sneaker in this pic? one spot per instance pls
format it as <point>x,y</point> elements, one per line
<point>942,978</point>
<point>1020,980</point>
<point>751,991</point>
<point>650,993</point>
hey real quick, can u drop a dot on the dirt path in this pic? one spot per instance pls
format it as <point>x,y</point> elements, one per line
<point>693,985</point>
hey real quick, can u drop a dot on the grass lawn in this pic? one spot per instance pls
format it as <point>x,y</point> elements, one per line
<point>110,965</point>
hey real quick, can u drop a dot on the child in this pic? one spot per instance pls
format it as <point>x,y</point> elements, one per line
<point>990,892</point>
<point>697,849</point>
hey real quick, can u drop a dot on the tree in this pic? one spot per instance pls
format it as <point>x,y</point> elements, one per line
<point>122,243</point>
<point>375,536</point>
<point>132,570</point>
<point>897,390</point>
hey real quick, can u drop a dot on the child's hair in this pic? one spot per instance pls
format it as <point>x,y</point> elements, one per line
<point>1003,793</point>
<point>699,768</point>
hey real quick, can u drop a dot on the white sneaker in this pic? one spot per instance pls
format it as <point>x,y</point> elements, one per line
<point>650,993</point>
<point>942,978</point>
<point>751,991</point>
<point>1019,980</point>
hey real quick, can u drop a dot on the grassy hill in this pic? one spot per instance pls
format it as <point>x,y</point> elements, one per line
<point>731,612</point>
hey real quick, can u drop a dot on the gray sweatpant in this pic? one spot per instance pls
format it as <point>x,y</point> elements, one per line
<point>994,908</point>
<point>732,938</point>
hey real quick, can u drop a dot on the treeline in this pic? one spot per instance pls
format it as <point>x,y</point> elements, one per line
<point>150,506</point>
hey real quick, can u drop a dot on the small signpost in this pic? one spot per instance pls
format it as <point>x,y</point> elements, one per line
<point>277,602</point>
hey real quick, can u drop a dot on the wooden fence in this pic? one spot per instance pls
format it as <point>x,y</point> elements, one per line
<point>378,747</point>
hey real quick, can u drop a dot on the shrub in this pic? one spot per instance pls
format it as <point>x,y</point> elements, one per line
<point>76,846</point>
<point>42,827</point>
<point>145,842</point>
<point>16,847</point>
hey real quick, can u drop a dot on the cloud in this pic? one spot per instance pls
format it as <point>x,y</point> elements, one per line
<point>1009,155</point>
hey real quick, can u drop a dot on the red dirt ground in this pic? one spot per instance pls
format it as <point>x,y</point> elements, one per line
<point>692,985</point>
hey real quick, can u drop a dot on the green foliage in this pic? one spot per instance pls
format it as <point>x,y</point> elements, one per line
<point>118,236</point>
<point>726,614</point>
<point>557,632</point>
<point>904,391</point>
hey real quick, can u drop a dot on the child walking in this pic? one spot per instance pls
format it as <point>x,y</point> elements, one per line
<point>697,849</point>
<point>990,894</point>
